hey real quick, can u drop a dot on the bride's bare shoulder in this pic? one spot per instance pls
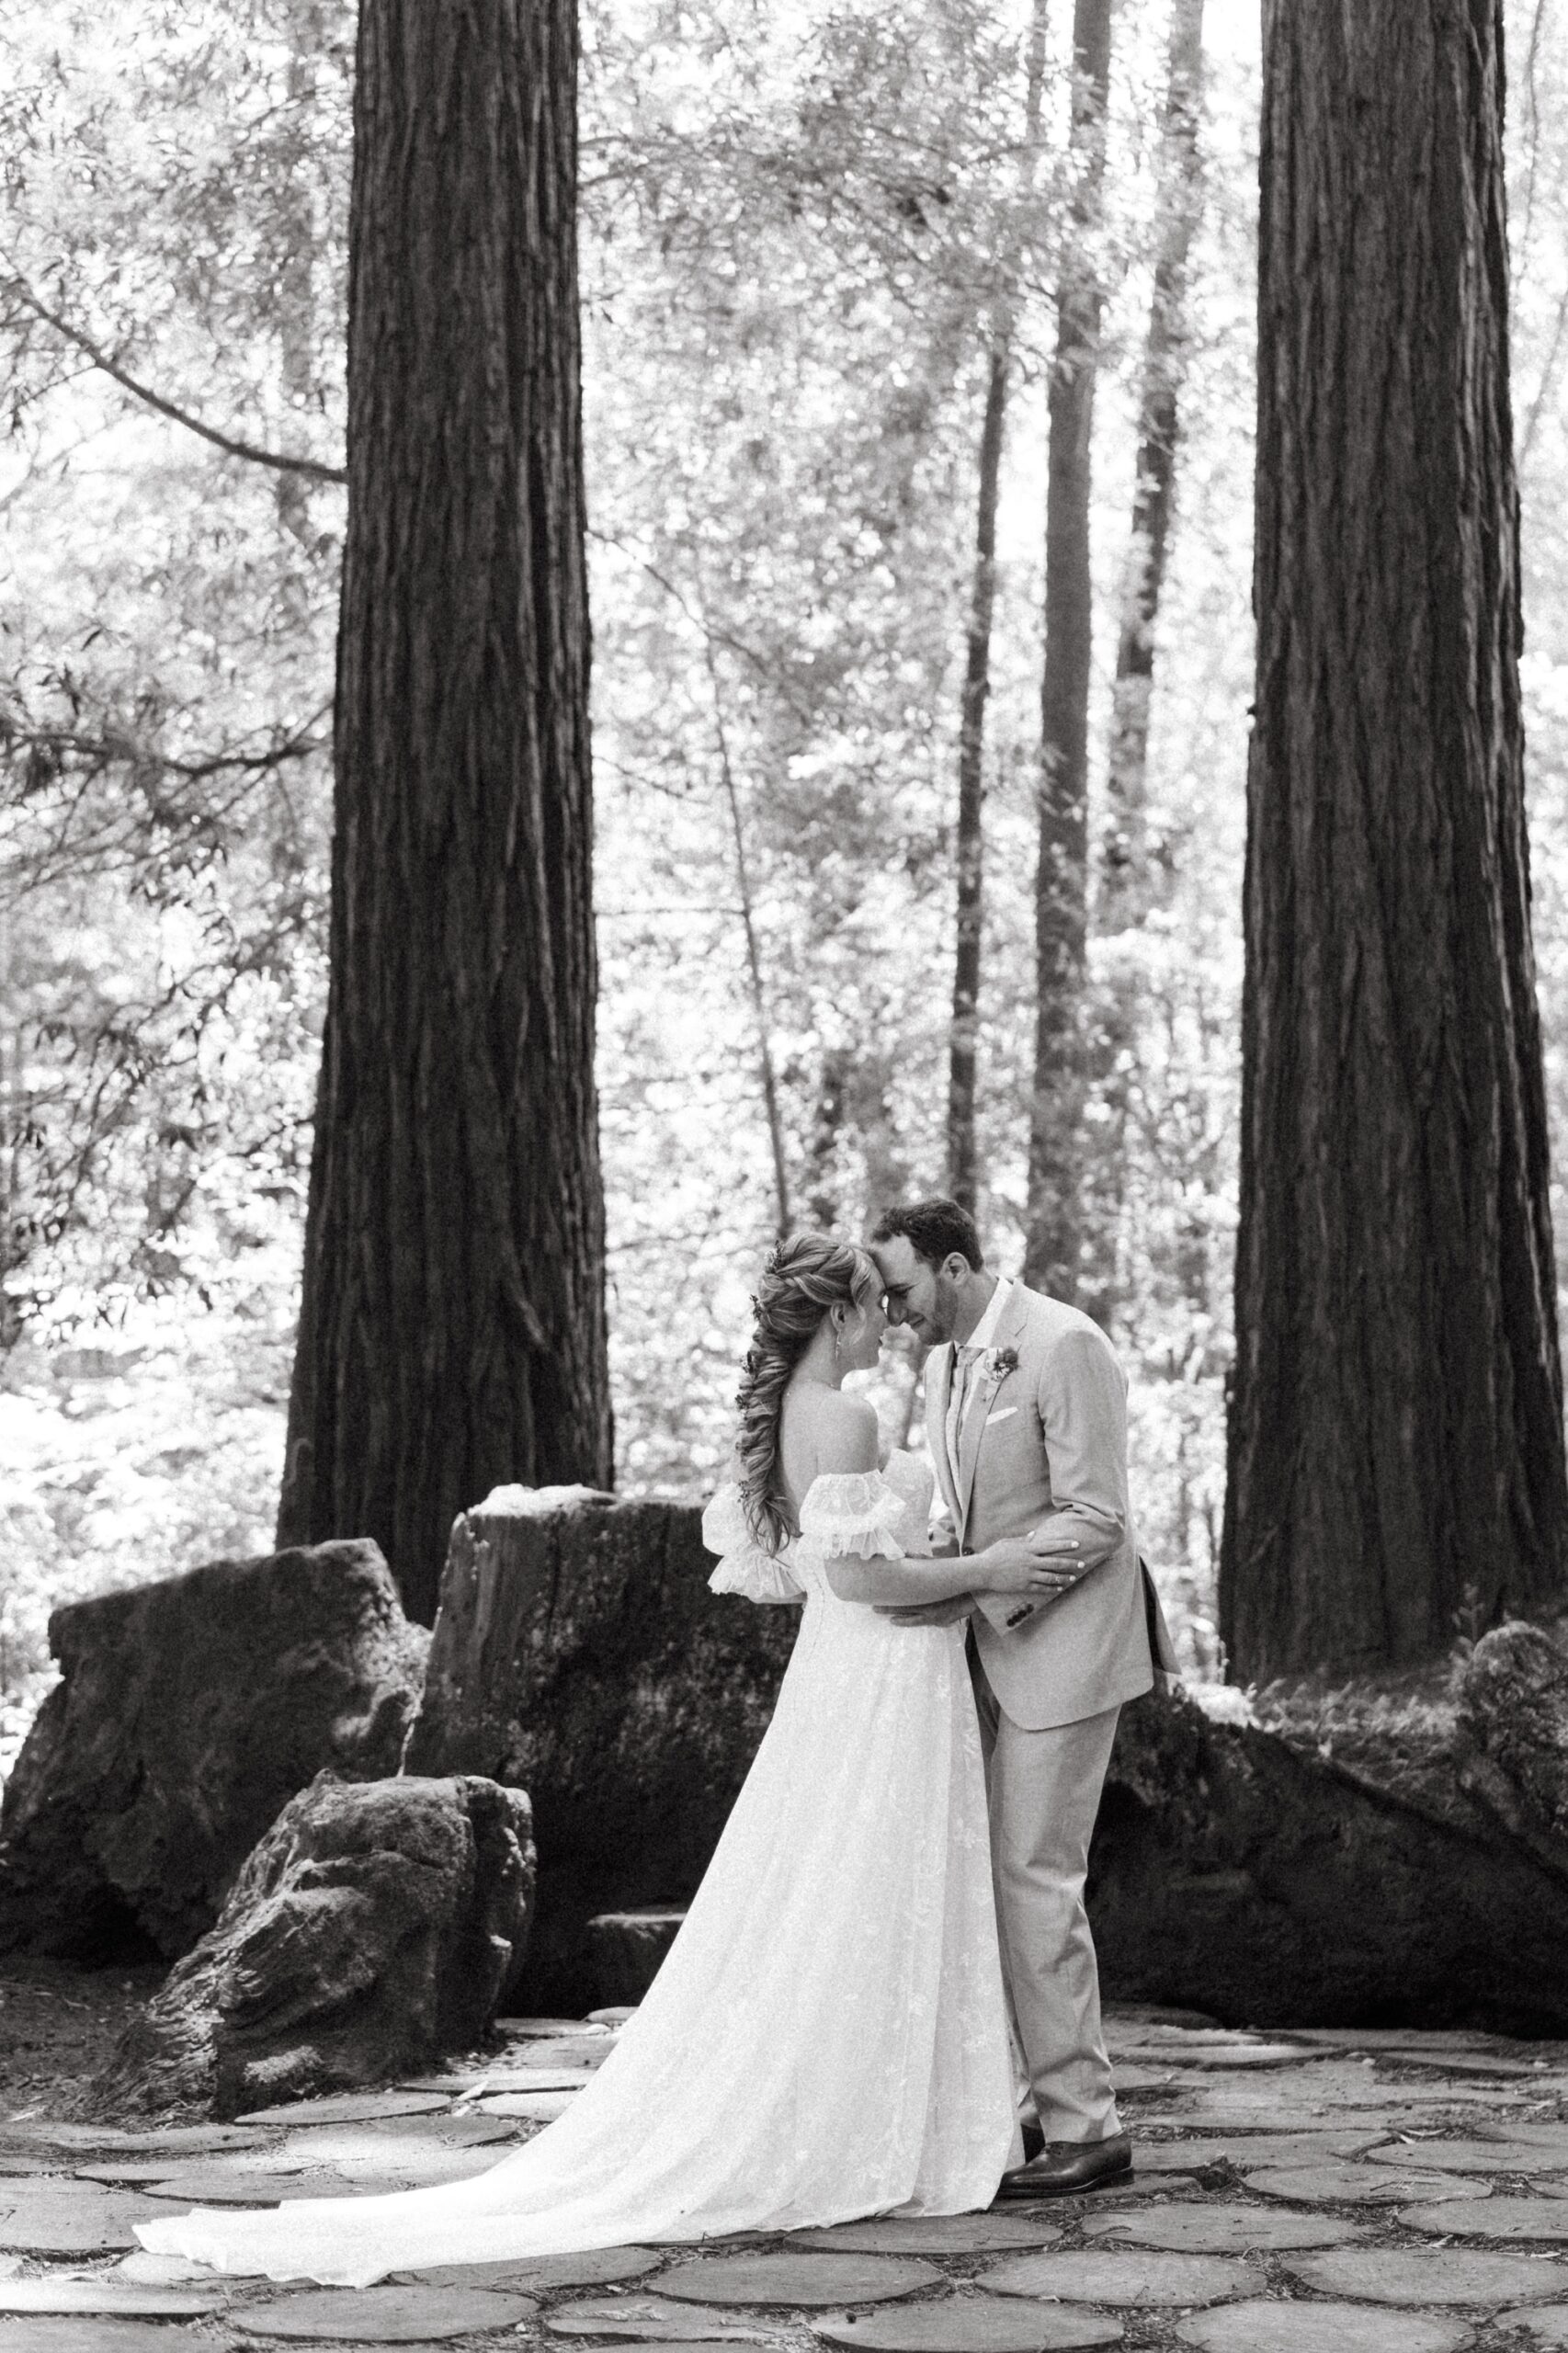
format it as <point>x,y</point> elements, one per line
<point>845,1435</point>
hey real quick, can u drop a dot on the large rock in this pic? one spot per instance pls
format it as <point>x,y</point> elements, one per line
<point>1400,1862</point>
<point>189,1711</point>
<point>377,1926</point>
<point>579,1654</point>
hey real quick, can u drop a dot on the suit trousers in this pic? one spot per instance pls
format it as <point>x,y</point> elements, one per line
<point>1043,1789</point>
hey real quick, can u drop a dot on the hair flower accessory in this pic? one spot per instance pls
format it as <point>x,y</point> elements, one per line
<point>997,1363</point>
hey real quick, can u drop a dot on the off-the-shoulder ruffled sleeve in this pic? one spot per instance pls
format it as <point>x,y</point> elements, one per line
<point>743,1566</point>
<point>866,1513</point>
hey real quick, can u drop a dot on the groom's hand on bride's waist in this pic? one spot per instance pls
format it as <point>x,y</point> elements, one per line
<point>928,1613</point>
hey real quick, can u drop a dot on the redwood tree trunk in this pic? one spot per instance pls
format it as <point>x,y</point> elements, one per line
<point>1051,1248</point>
<point>452,1329</point>
<point>1396,1450</point>
<point>1125,873</point>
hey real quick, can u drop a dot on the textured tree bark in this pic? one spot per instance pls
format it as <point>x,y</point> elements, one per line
<point>1396,1452</point>
<point>452,1328</point>
<point>1125,876</point>
<point>1051,1259</point>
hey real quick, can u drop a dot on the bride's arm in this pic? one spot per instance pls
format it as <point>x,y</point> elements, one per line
<point>849,1449</point>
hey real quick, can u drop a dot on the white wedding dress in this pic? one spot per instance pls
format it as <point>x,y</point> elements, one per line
<point>827,2036</point>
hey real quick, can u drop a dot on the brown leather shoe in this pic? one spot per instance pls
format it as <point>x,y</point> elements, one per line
<point>1065,2166</point>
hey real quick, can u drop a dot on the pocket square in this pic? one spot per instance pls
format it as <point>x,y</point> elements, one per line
<point>1000,1415</point>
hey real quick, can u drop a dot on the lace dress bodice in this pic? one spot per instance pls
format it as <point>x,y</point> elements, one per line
<point>867,1514</point>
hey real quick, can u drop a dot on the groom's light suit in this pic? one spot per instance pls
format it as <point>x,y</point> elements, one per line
<point>1043,1443</point>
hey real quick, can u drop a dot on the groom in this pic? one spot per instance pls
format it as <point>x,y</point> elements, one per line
<point>1026,1411</point>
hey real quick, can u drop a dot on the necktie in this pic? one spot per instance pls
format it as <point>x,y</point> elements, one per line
<point>963,1360</point>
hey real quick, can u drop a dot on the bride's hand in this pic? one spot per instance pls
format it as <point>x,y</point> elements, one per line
<point>1015,1566</point>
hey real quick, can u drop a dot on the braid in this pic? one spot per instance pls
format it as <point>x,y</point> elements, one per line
<point>803,1277</point>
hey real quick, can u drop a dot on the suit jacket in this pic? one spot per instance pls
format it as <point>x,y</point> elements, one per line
<point>1046,1442</point>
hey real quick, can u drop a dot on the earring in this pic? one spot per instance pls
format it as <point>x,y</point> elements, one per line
<point>837,1342</point>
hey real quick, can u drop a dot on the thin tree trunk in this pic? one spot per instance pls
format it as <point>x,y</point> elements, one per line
<point>962,1156</point>
<point>963,1036</point>
<point>1396,1449</point>
<point>305,32</point>
<point>1124,871</point>
<point>963,1039</point>
<point>452,1328</point>
<point>1061,882</point>
<point>766,1071</point>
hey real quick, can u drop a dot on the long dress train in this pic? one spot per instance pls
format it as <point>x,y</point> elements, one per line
<point>826,2038</point>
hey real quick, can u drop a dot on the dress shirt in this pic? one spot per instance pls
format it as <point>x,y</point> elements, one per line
<point>961,1394</point>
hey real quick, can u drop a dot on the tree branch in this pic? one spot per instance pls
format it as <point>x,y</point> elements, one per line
<point>278,460</point>
<point>103,750</point>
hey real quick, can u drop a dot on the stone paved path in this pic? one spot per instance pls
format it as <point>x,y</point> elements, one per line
<point>1331,2192</point>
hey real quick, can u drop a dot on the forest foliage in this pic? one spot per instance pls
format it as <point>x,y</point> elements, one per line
<point>797,225</point>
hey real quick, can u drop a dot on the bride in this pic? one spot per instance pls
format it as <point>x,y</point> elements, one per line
<point>827,2036</point>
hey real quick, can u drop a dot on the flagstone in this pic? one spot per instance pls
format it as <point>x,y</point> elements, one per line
<point>187,2140</point>
<point>1473,2156</point>
<point>359,2152</point>
<point>194,2186</point>
<point>1463,2063</point>
<point>1251,2149</point>
<point>1320,2328</point>
<point>384,2315</point>
<point>1106,2276</point>
<point>73,2334</point>
<point>1341,2182</point>
<point>531,2108</point>
<point>1547,2324</point>
<point>1387,2275</point>
<point>1305,2093</point>
<point>264,2163</point>
<point>793,2280</point>
<point>524,2083</point>
<point>594,2267</point>
<point>552,2026</point>
<point>656,2320</point>
<point>143,2269</point>
<point>1207,2113</point>
<point>1216,2229</point>
<point>968,2325</point>
<point>441,2127</point>
<point>1379,2038</point>
<point>1233,2054</point>
<point>932,2234</point>
<point>346,2107</point>
<point>574,2051</point>
<point>107,2295</point>
<point>79,2221</point>
<point>616,2015</point>
<point>1493,2218</point>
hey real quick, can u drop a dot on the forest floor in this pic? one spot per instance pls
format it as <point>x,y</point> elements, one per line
<point>1323,2192</point>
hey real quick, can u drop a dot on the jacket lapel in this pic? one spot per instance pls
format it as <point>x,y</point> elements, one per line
<point>938,1389</point>
<point>1009,1327</point>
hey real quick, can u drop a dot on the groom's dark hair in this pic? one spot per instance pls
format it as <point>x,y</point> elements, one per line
<point>933,1230</point>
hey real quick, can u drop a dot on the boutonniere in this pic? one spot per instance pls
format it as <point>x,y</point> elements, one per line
<point>997,1363</point>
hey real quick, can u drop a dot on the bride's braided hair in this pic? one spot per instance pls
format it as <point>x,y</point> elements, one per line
<point>803,1277</point>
